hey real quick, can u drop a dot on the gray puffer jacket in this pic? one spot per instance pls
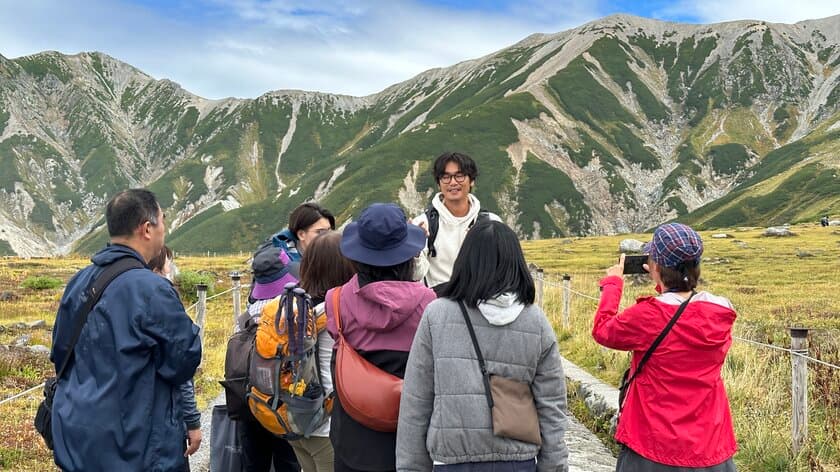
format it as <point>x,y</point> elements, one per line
<point>444,417</point>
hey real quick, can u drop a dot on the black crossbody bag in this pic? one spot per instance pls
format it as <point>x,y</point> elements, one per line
<point>627,378</point>
<point>43,418</point>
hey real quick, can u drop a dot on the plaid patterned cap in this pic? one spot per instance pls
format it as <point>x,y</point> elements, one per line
<point>673,244</point>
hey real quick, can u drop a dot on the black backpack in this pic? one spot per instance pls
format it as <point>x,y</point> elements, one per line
<point>433,218</point>
<point>240,348</point>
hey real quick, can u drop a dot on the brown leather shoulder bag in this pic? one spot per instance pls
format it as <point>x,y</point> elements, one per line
<point>367,393</point>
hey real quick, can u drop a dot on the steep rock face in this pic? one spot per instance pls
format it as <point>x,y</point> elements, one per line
<point>614,126</point>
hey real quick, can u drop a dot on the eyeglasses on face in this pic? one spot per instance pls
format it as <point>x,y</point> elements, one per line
<point>446,178</point>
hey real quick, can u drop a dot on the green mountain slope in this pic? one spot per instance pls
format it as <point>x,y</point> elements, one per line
<point>614,126</point>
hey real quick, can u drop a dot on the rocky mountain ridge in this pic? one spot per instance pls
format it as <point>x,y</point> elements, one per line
<point>613,126</point>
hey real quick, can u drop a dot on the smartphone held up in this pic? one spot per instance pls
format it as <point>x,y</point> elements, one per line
<point>634,264</point>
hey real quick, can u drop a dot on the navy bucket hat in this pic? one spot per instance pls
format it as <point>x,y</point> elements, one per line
<point>673,244</point>
<point>382,237</point>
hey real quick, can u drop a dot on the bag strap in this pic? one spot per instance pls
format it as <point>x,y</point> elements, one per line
<point>659,339</point>
<point>94,293</point>
<point>484,374</point>
<point>336,300</point>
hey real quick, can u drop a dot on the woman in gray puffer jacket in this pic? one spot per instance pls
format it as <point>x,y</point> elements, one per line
<point>445,422</point>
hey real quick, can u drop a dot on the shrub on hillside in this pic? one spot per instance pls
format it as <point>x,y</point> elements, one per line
<point>41,282</point>
<point>187,281</point>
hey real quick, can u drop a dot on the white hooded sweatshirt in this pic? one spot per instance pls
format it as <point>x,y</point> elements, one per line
<point>451,233</point>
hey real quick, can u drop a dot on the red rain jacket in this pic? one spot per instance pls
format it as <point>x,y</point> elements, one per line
<point>676,411</point>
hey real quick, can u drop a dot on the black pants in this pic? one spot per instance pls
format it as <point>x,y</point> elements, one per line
<point>260,448</point>
<point>339,466</point>
<point>629,461</point>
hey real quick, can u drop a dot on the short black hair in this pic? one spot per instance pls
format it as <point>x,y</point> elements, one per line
<point>129,209</point>
<point>307,215</point>
<point>465,163</point>
<point>402,272</point>
<point>490,263</point>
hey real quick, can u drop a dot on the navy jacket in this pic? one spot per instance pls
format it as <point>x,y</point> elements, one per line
<point>118,407</point>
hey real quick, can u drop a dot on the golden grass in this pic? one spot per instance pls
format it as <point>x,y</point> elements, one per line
<point>771,287</point>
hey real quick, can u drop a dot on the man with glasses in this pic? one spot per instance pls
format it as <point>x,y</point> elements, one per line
<point>453,211</point>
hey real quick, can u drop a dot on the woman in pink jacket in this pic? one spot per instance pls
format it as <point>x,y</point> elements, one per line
<point>380,308</point>
<point>675,415</point>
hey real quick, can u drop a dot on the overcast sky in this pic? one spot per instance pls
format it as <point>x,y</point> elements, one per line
<point>244,48</point>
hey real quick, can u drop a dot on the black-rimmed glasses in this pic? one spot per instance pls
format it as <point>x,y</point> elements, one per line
<point>446,178</point>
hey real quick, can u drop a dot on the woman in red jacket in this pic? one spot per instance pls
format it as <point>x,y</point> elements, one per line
<point>675,415</point>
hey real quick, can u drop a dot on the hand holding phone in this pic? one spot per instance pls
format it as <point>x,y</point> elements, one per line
<point>635,264</point>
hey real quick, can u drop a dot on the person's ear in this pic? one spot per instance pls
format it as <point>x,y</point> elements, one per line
<point>144,230</point>
<point>300,233</point>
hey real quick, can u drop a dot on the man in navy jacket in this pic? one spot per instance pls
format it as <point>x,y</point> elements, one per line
<point>117,406</point>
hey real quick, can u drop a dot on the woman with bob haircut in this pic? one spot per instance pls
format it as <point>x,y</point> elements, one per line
<point>380,308</point>
<point>675,416</point>
<point>445,422</point>
<point>322,268</point>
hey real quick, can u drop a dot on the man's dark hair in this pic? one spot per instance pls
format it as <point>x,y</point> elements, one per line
<point>682,278</point>
<point>323,266</point>
<point>490,263</point>
<point>402,272</point>
<point>307,215</point>
<point>129,209</point>
<point>465,163</point>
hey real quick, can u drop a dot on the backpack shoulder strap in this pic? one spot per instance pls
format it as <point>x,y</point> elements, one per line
<point>94,293</point>
<point>433,221</point>
<point>481,217</point>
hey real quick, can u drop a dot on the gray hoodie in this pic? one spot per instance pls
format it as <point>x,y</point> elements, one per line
<point>444,417</point>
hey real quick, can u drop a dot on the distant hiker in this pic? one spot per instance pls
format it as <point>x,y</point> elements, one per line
<point>115,406</point>
<point>824,221</point>
<point>452,212</point>
<point>163,265</point>
<point>378,310</point>
<point>276,262</point>
<point>675,412</point>
<point>445,423</point>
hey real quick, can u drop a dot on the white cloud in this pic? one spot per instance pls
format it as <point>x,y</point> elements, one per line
<point>775,11</point>
<point>249,47</point>
<point>244,48</point>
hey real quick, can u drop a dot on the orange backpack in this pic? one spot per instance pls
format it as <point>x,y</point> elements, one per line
<point>285,394</point>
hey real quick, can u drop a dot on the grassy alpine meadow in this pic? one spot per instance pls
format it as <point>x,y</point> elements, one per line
<point>21,448</point>
<point>774,283</point>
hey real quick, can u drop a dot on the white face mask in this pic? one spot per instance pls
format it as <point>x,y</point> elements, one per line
<point>173,270</point>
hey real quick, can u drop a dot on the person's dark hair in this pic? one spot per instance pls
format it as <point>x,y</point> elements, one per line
<point>402,272</point>
<point>129,209</point>
<point>465,163</point>
<point>682,278</point>
<point>307,215</point>
<point>323,266</point>
<point>156,263</point>
<point>490,263</point>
